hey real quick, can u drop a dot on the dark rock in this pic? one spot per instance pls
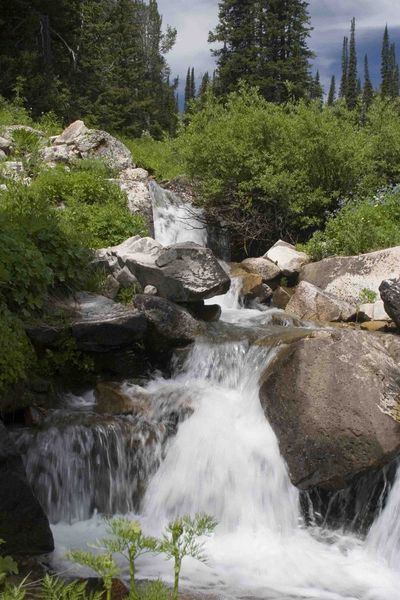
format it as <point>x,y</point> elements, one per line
<point>23,524</point>
<point>210,313</point>
<point>281,296</point>
<point>113,399</point>
<point>390,294</point>
<point>333,402</point>
<point>169,324</point>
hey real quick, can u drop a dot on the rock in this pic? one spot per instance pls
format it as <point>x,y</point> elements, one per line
<point>23,524</point>
<point>210,313</point>
<point>5,145</point>
<point>126,280</point>
<point>111,287</point>
<point>181,273</point>
<point>281,296</point>
<point>264,267</point>
<point>311,303</point>
<point>374,311</point>
<point>347,276</point>
<point>9,131</point>
<point>133,174</point>
<point>56,154</point>
<point>169,324</point>
<point>93,143</point>
<point>374,326</point>
<point>289,260</point>
<point>97,324</point>
<point>139,198</point>
<point>150,290</point>
<point>3,155</point>
<point>390,294</point>
<point>333,402</point>
<point>112,399</point>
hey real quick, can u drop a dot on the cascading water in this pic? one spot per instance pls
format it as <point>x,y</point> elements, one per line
<point>208,448</point>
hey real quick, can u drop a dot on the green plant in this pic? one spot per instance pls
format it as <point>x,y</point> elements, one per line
<point>155,590</point>
<point>53,588</point>
<point>14,592</point>
<point>65,360</point>
<point>181,539</point>
<point>367,296</point>
<point>127,295</point>
<point>16,353</point>
<point>129,541</point>
<point>8,566</point>
<point>26,146</point>
<point>102,564</point>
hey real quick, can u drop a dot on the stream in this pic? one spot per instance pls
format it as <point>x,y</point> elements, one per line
<point>220,457</point>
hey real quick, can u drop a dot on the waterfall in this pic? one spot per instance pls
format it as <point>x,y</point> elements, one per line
<point>176,221</point>
<point>384,535</point>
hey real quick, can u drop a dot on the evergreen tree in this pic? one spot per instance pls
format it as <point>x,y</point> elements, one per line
<point>205,84</point>
<point>188,89</point>
<point>368,91</point>
<point>351,85</point>
<point>386,73</point>
<point>393,69</point>
<point>332,92</point>
<point>317,92</point>
<point>264,43</point>
<point>345,68</point>
<point>192,85</point>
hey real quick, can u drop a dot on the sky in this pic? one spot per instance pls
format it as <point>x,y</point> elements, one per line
<point>330,19</point>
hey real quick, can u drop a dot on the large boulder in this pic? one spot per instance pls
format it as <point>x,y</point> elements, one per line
<point>289,260</point>
<point>181,273</point>
<point>79,141</point>
<point>390,294</point>
<point>170,325</point>
<point>347,276</point>
<point>96,323</point>
<point>333,400</point>
<point>309,302</point>
<point>23,523</point>
<point>264,267</point>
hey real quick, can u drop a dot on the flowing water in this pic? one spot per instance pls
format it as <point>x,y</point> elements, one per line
<point>204,445</point>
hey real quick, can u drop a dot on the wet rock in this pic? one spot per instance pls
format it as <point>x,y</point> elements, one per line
<point>375,311</point>
<point>169,324</point>
<point>333,400</point>
<point>289,260</point>
<point>347,276</point>
<point>264,267</point>
<point>209,313</point>
<point>311,303</point>
<point>97,324</point>
<point>112,399</point>
<point>375,326</point>
<point>23,524</point>
<point>390,294</point>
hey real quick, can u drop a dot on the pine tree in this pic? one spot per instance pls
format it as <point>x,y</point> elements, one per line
<point>393,69</point>
<point>205,84</point>
<point>264,43</point>
<point>351,88</point>
<point>385,64</point>
<point>188,89</point>
<point>332,92</point>
<point>192,85</point>
<point>317,92</point>
<point>368,91</point>
<point>345,68</point>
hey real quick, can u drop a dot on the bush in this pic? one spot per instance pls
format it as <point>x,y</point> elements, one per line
<point>159,157</point>
<point>16,353</point>
<point>360,227</point>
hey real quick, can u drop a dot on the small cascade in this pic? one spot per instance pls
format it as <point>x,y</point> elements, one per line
<point>384,536</point>
<point>175,220</point>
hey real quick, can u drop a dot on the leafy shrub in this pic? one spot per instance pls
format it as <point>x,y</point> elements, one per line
<point>8,566</point>
<point>16,353</point>
<point>359,227</point>
<point>13,113</point>
<point>95,166</point>
<point>159,157</point>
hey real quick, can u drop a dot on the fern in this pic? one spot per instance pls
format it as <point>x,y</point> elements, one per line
<point>53,588</point>
<point>155,590</point>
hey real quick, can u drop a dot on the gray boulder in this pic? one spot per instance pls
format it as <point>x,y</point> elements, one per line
<point>347,276</point>
<point>289,260</point>
<point>264,267</point>
<point>181,273</point>
<point>333,402</point>
<point>97,324</point>
<point>311,303</point>
<point>170,325</point>
<point>23,523</point>
<point>390,294</point>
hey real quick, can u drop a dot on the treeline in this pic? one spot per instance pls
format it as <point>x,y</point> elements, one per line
<point>101,60</point>
<point>352,90</point>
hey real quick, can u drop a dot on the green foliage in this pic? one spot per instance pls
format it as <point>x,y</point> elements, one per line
<point>127,295</point>
<point>182,539</point>
<point>65,360</point>
<point>53,588</point>
<point>358,228</point>
<point>102,564</point>
<point>367,296</point>
<point>129,541</point>
<point>12,113</point>
<point>13,593</point>
<point>8,566</point>
<point>159,157</point>
<point>16,353</point>
<point>155,590</point>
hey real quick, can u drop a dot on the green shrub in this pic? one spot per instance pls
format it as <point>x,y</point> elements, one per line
<point>16,353</point>
<point>13,113</point>
<point>95,166</point>
<point>159,157</point>
<point>359,227</point>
